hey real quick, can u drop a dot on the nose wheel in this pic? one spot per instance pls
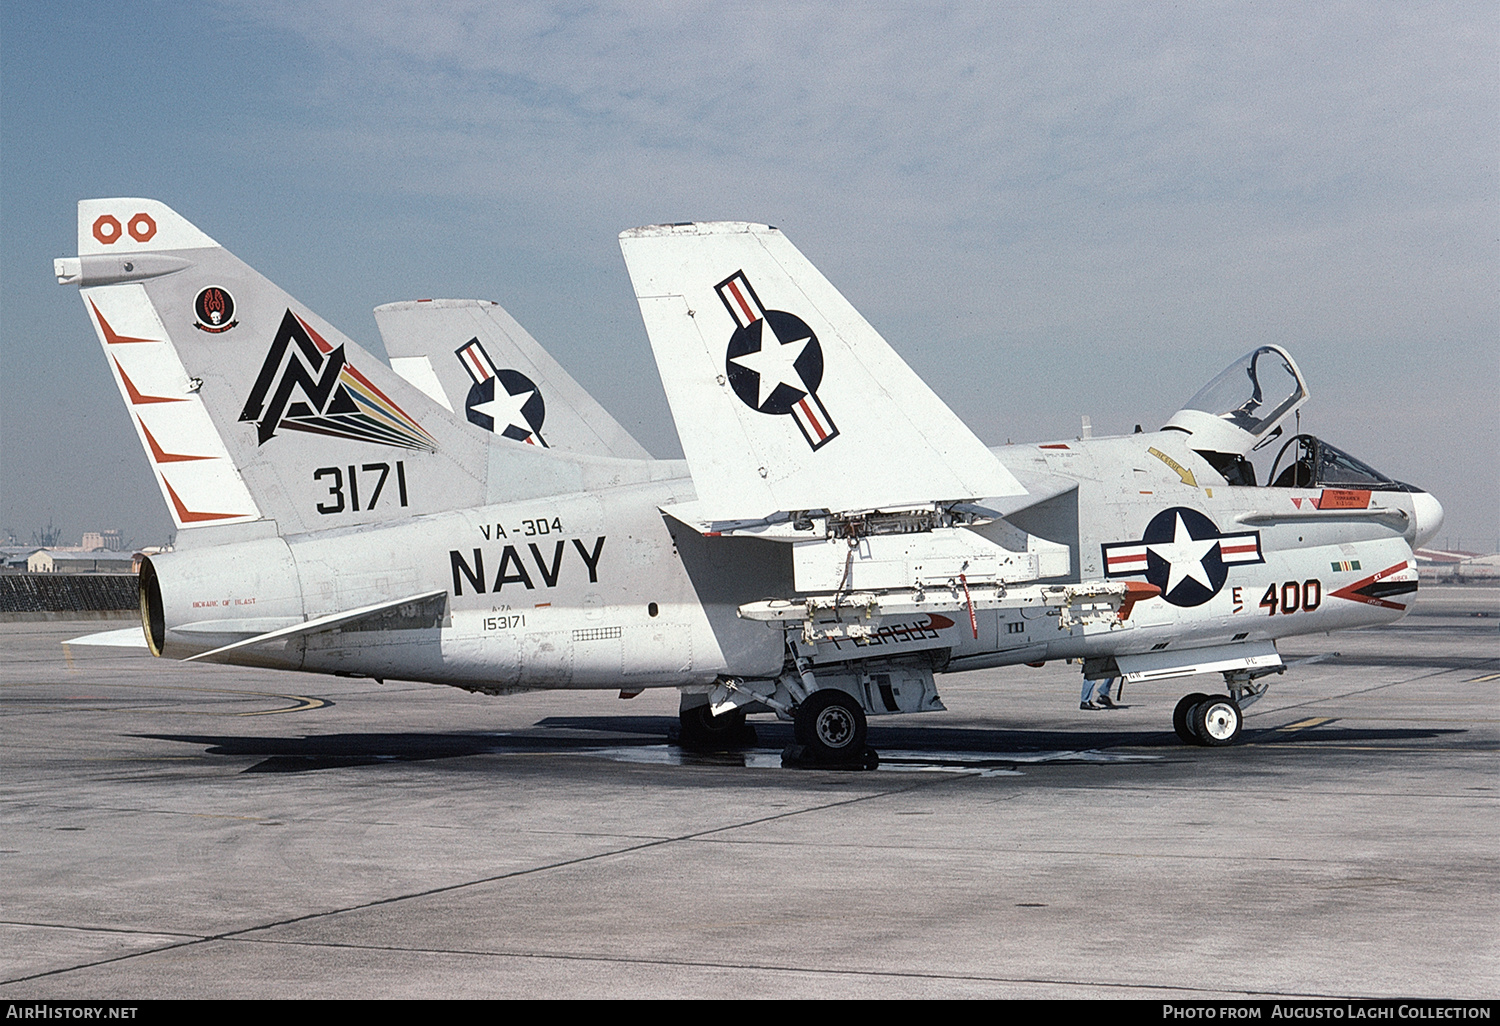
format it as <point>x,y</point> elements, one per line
<point>1182,718</point>
<point>1217,721</point>
<point>1212,720</point>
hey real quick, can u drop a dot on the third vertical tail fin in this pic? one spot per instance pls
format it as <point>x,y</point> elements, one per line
<point>488,369</point>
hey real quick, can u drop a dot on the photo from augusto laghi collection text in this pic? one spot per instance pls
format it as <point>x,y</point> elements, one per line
<point>1360,1010</point>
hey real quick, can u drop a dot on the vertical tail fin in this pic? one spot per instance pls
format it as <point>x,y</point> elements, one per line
<point>251,407</point>
<point>478,360</point>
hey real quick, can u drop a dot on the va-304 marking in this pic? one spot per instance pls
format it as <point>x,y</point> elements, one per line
<point>820,571</point>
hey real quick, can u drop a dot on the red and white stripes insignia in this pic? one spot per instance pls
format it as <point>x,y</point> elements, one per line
<point>476,361</point>
<point>1124,559</point>
<point>1240,548</point>
<point>810,415</point>
<point>740,300</point>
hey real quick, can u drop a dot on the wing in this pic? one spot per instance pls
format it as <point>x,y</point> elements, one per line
<point>784,397</point>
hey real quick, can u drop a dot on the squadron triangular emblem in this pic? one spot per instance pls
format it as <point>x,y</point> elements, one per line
<point>305,384</point>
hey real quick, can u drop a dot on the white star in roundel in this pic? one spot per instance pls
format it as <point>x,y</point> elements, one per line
<point>774,362</point>
<point>1184,554</point>
<point>505,409</point>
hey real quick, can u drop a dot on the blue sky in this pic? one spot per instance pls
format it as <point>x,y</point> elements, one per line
<point>1051,211</point>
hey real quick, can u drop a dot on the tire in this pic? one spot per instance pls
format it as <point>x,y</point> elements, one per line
<point>703,731</point>
<point>1217,721</point>
<point>834,726</point>
<point>1182,718</point>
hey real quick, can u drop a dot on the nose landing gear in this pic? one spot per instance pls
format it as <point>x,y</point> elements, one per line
<point>1216,720</point>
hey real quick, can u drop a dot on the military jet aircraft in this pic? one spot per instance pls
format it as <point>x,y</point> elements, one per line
<point>835,538</point>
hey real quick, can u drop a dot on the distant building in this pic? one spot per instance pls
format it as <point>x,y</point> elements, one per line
<point>52,561</point>
<point>1458,565</point>
<point>13,557</point>
<point>109,540</point>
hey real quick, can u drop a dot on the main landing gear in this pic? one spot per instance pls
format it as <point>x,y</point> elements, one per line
<point>830,728</point>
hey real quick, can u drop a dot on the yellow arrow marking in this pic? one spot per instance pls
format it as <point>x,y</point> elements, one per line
<point>1182,472</point>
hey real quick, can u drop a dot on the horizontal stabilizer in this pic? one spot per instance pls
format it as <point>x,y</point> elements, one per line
<point>322,623</point>
<point>784,397</point>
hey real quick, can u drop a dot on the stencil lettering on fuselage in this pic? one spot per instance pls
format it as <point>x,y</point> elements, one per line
<point>545,566</point>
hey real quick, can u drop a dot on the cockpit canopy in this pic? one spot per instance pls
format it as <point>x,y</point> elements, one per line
<point>1309,462</point>
<point>1243,407</point>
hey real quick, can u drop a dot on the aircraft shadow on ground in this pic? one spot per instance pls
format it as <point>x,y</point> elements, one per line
<point>585,734</point>
<point>1332,734</point>
<point>898,733</point>
<point>331,751</point>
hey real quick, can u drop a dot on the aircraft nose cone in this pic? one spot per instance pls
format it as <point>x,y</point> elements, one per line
<point>1428,519</point>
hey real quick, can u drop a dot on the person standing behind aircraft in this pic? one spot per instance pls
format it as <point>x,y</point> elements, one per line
<point>1096,694</point>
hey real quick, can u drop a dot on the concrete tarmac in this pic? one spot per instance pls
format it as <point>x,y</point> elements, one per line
<point>172,830</point>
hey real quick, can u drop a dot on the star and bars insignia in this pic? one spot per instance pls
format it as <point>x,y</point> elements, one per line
<point>515,409</point>
<point>774,362</point>
<point>1184,554</point>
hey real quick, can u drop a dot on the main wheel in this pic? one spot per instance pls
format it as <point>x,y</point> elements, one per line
<point>1182,718</point>
<point>1217,720</point>
<point>832,726</point>
<point>703,731</point>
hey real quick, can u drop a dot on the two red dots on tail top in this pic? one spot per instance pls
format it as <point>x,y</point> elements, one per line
<point>107,228</point>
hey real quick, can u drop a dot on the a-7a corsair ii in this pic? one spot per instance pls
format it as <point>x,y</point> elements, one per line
<point>834,539</point>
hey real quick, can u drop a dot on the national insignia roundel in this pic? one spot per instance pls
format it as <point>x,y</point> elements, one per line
<point>776,328</point>
<point>774,362</point>
<point>1184,554</point>
<point>501,400</point>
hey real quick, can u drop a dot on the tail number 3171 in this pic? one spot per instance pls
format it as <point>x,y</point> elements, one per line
<point>344,491</point>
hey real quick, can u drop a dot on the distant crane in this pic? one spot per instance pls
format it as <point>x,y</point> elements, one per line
<point>47,537</point>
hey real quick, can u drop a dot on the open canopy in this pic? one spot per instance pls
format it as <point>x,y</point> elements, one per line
<point>1244,405</point>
